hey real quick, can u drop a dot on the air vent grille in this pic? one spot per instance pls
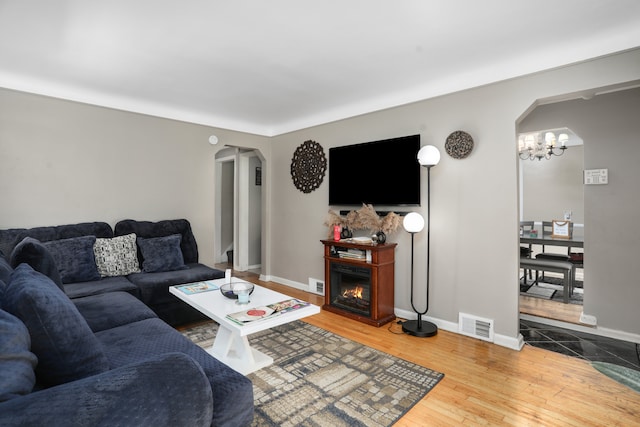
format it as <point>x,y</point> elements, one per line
<point>475,327</point>
<point>316,286</point>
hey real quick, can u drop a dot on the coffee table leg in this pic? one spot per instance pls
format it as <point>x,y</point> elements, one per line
<point>234,351</point>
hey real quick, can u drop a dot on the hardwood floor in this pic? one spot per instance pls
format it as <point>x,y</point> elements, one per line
<point>539,307</point>
<point>486,384</point>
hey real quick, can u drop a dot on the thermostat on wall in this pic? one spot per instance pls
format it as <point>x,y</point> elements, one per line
<point>596,176</point>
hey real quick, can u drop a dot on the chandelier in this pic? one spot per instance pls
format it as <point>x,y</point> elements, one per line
<point>531,145</point>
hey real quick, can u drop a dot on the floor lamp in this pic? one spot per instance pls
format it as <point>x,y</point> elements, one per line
<point>428,156</point>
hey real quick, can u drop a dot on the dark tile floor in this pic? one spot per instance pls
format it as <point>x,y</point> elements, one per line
<point>580,344</point>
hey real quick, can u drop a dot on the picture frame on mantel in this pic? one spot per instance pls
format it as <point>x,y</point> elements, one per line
<point>561,229</point>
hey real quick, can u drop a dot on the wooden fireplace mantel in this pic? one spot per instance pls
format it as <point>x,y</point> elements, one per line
<point>382,267</point>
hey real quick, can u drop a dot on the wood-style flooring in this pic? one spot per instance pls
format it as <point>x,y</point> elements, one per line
<point>486,384</point>
<point>569,313</point>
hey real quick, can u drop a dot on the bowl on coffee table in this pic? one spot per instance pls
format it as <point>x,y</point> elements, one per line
<point>233,289</point>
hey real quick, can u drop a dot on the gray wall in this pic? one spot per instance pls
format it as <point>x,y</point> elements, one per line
<point>227,208</point>
<point>64,162</point>
<point>551,187</point>
<point>255,214</point>
<point>474,228</point>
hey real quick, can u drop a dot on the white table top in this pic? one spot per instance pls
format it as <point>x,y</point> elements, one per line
<point>216,306</point>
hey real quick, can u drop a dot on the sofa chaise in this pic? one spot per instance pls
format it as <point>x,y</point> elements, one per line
<point>104,360</point>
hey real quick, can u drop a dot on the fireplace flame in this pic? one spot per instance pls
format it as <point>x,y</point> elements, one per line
<point>353,292</point>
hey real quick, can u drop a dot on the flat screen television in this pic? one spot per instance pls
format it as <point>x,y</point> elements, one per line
<point>383,172</point>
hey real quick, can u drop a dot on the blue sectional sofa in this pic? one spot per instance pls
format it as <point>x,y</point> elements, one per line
<point>103,357</point>
<point>170,246</point>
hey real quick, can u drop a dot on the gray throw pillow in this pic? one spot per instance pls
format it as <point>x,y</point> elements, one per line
<point>34,253</point>
<point>161,253</point>
<point>66,347</point>
<point>75,258</point>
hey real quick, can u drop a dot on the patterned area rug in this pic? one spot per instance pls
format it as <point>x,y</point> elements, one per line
<point>321,379</point>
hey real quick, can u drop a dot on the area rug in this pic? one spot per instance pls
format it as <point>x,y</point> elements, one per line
<point>321,379</point>
<point>627,376</point>
<point>552,289</point>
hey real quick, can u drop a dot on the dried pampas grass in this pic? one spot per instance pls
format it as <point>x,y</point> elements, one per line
<point>365,218</point>
<point>390,223</point>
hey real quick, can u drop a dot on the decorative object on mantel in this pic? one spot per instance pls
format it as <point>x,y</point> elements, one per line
<point>308,166</point>
<point>459,144</point>
<point>365,218</point>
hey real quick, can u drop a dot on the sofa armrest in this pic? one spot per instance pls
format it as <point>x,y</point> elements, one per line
<point>167,390</point>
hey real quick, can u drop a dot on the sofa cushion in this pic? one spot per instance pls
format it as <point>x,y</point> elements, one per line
<point>105,285</point>
<point>106,311</point>
<point>9,238</point>
<point>160,390</point>
<point>5,269</point>
<point>75,258</point>
<point>161,253</point>
<point>17,363</point>
<point>154,287</point>
<point>34,253</point>
<point>117,256</point>
<point>66,348</point>
<point>232,392</point>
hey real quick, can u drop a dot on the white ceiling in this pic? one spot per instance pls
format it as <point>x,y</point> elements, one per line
<point>270,67</point>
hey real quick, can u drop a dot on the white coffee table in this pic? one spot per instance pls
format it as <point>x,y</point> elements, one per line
<point>231,345</point>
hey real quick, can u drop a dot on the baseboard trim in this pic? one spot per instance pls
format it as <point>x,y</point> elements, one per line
<point>514,343</point>
<point>291,283</point>
<point>502,340</point>
<point>597,330</point>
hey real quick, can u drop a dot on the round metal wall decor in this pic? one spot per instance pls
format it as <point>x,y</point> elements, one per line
<point>459,144</point>
<point>308,166</point>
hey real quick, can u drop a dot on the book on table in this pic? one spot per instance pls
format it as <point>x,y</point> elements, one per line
<point>267,311</point>
<point>197,287</point>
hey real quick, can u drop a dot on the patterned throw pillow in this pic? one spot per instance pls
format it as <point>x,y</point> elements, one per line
<point>116,256</point>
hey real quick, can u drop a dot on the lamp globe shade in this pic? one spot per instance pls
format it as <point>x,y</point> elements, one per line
<point>413,222</point>
<point>428,156</point>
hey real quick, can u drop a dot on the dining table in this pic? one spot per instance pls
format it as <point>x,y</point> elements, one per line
<point>547,240</point>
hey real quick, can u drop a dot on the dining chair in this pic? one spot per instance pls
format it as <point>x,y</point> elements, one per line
<point>526,250</point>
<point>547,230</point>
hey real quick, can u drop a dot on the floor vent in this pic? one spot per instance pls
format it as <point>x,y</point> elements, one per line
<point>475,327</point>
<point>316,286</point>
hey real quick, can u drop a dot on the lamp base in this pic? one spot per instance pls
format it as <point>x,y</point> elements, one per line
<point>421,330</point>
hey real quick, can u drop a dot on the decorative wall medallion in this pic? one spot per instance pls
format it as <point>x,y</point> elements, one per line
<point>308,166</point>
<point>459,144</point>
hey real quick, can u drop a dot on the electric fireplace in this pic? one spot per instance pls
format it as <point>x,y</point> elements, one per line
<point>360,288</point>
<point>350,288</point>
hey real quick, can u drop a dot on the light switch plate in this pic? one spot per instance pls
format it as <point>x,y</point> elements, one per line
<point>596,176</point>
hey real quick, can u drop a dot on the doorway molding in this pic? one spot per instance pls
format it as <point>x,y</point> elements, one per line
<point>239,157</point>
